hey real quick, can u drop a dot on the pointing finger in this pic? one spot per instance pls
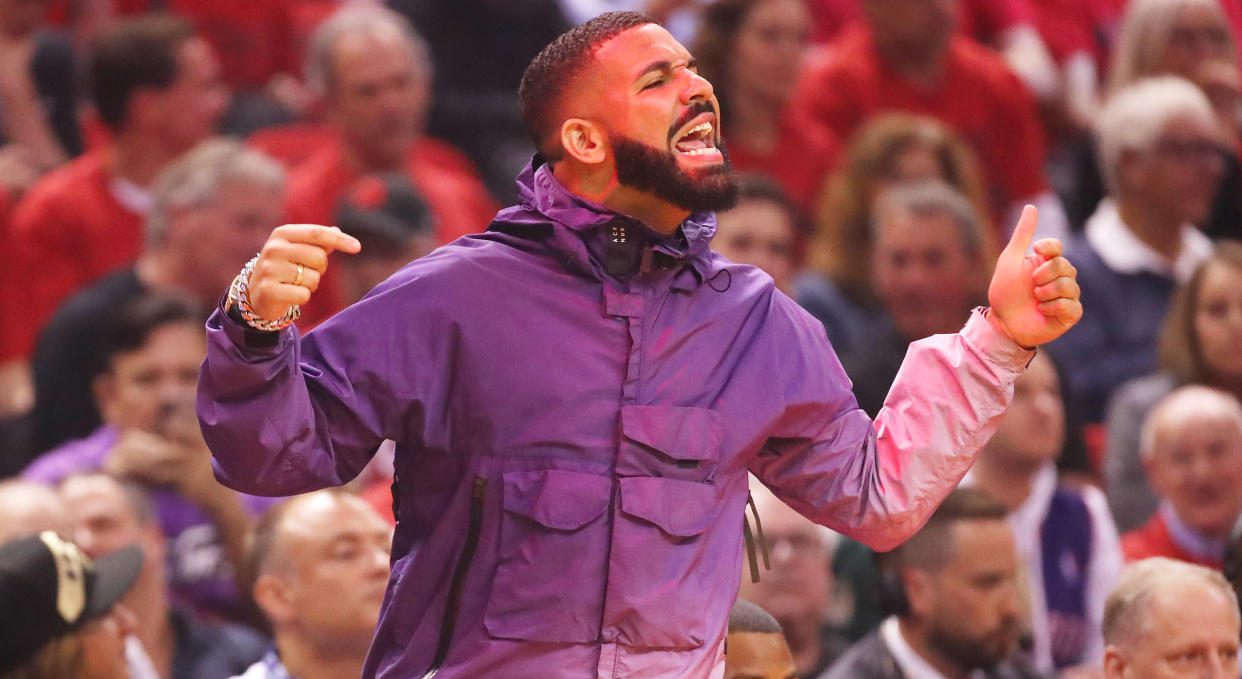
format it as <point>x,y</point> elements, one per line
<point>329,238</point>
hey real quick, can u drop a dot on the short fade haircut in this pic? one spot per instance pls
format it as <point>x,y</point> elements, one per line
<point>195,177</point>
<point>746,616</point>
<point>138,319</point>
<point>932,547</point>
<point>1126,608</point>
<point>552,72</point>
<point>131,55</point>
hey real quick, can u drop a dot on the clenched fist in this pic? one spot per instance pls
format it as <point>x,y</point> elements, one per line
<point>291,264</point>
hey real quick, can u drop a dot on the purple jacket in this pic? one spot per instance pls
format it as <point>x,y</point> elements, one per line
<point>573,446</point>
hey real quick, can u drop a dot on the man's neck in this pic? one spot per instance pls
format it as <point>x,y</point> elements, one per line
<point>923,68</point>
<point>136,159</point>
<point>156,270</point>
<point>1005,480</point>
<point>603,188</point>
<point>154,627</point>
<point>914,635</point>
<point>367,163</point>
<point>304,661</point>
<point>1156,230</point>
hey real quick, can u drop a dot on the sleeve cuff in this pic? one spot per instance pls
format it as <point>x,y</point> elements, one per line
<point>240,332</point>
<point>994,346</point>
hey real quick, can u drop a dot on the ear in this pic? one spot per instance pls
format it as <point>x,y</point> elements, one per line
<point>584,141</point>
<point>1114,663</point>
<point>272,595</point>
<point>919,588</point>
<point>1151,470</point>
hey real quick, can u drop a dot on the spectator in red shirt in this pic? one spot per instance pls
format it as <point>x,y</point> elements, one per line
<point>1192,452</point>
<point>156,86</point>
<point>374,75</point>
<point>752,52</point>
<point>908,56</point>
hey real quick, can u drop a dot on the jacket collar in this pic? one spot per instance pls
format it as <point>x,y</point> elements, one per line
<point>590,229</point>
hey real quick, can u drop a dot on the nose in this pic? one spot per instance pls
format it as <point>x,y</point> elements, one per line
<point>697,88</point>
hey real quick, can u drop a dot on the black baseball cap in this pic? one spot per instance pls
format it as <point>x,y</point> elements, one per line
<point>384,209</point>
<point>49,588</point>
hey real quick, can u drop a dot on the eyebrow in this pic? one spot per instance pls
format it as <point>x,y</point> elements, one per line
<point>664,65</point>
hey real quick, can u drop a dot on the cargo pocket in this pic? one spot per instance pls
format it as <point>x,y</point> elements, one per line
<point>549,583</point>
<point>669,442</point>
<point>660,576</point>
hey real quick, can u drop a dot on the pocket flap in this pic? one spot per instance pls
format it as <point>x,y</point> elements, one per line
<point>555,498</point>
<point>681,508</point>
<point>679,432</point>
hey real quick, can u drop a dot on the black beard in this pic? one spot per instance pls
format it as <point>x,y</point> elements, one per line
<point>656,172</point>
<point>969,654</point>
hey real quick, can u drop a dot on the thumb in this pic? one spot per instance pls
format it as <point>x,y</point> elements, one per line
<point>1023,233</point>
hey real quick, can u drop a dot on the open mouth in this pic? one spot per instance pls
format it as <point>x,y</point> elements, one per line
<point>699,140</point>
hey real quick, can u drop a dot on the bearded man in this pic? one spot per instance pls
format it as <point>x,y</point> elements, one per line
<point>577,394</point>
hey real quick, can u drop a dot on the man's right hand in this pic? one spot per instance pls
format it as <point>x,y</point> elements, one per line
<point>272,288</point>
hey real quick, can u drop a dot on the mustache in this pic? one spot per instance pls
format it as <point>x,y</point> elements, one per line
<point>697,108</point>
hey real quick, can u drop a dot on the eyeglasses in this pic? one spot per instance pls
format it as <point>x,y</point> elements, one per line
<point>1191,150</point>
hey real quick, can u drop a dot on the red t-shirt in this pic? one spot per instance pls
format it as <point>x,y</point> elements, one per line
<point>803,156</point>
<point>1069,27</point>
<point>445,178</point>
<point>1153,539</point>
<point>68,231</point>
<point>295,143</point>
<point>979,98</point>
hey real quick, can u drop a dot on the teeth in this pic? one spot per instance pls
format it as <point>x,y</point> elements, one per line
<point>704,130</point>
<point>699,152</point>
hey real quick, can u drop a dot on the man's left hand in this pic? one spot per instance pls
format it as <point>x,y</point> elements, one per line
<point>1034,298</point>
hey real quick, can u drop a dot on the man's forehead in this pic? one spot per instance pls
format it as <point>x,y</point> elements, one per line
<point>632,51</point>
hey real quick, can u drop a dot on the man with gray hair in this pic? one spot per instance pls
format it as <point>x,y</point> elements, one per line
<point>373,73</point>
<point>210,207</point>
<point>1191,449</point>
<point>1161,151</point>
<point>1168,618</point>
<point>928,268</point>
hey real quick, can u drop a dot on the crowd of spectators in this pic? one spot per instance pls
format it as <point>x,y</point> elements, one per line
<point>885,146</point>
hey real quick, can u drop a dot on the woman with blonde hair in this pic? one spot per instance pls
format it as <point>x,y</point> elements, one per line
<point>891,149</point>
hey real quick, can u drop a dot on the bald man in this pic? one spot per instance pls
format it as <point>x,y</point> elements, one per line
<point>1169,618</point>
<point>320,567</point>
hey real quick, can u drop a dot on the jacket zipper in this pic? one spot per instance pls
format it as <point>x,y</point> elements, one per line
<point>458,584</point>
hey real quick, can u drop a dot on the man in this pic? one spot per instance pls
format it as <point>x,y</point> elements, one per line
<point>373,74</point>
<point>1161,152</point>
<point>1065,534</point>
<point>156,88</point>
<point>798,588</point>
<point>1192,453</point>
<point>1170,619</point>
<point>909,56</point>
<point>326,541</point>
<point>958,607</point>
<point>145,391</point>
<point>756,648</point>
<point>209,207</point>
<point>107,515</point>
<point>761,230</point>
<point>928,269</point>
<point>591,348</point>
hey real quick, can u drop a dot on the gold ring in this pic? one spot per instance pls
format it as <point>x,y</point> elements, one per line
<point>297,280</point>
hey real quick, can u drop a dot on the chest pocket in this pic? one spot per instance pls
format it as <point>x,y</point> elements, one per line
<point>553,552</point>
<point>663,584</point>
